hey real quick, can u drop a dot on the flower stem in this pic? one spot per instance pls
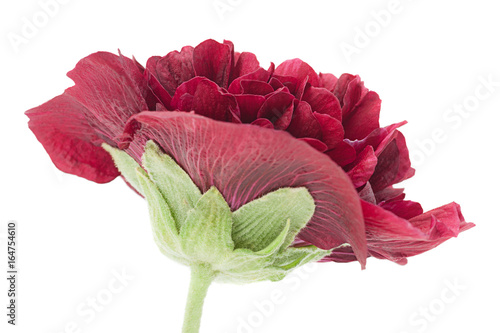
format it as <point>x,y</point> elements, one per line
<point>201,278</point>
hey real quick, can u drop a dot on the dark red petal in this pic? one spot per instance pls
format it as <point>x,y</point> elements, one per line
<point>376,137</point>
<point>341,87</point>
<point>72,144</point>
<point>249,105</point>
<point>256,87</point>
<point>327,81</point>
<point>332,132</point>
<point>366,193</point>
<point>245,162</point>
<point>212,60</point>
<point>363,168</point>
<point>403,208</point>
<point>276,84</point>
<point>354,93</point>
<point>111,88</point>
<point>278,108</point>
<point>316,144</point>
<point>323,101</point>
<point>389,194</point>
<point>293,85</point>
<point>363,119</point>
<point>159,91</point>
<point>263,122</point>
<point>259,75</point>
<point>175,68</point>
<point>393,162</point>
<point>343,154</point>
<point>304,124</point>
<point>245,63</point>
<point>298,69</point>
<point>394,238</point>
<point>205,98</point>
<point>342,254</point>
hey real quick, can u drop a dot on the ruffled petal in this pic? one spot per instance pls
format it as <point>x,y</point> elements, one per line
<point>245,162</point>
<point>304,124</point>
<point>213,60</point>
<point>363,167</point>
<point>327,81</point>
<point>278,108</point>
<point>332,132</point>
<point>204,97</point>
<point>174,69</point>
<point>298,69</point>
<point>395,238</point>
<point>323,101</point>
<point>249,106</point>
<point>259,75</point>
<point>158,90</point>
<point>72,144</point>
<point>245,63</point>
<point>363,119</point>
<point>111,88</point>
<point>343,154</point>
<point>394,164</point>
<point>403,208</point>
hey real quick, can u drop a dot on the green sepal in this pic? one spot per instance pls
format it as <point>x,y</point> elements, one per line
<point>126,165</point>
<point>179,191</point>
<point>206,234</point>
<point>165,231</point>
<point>298,256</point>
<point>260,221</point>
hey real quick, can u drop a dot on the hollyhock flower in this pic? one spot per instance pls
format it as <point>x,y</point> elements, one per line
<point>248,131</point>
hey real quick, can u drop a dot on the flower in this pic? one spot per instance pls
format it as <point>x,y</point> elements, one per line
<point>247,130</point>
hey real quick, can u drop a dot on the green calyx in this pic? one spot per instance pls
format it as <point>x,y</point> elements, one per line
<point>247,245</point>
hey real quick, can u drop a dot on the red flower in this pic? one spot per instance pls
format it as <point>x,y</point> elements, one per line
<point>223,118</point>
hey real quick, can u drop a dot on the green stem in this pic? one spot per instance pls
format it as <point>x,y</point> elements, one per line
<point>201,278</point>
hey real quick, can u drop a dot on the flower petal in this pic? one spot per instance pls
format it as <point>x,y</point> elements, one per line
<point>245,162</point>
<point>174,69</point>
<point>316,144</point>
<point>323,101</point>
<point>393,162</point>
<point>245,63</point>
<point>298,69</point>
<point>343,154</point>
<point>304,124</point>
<point>72,144</point>
<point>111,88</point>
<point>159,91</point>
<point>403,208</point>
<point>212,60</point>
<point>258,75</point>
<point>205,98</point>
<point>249,105</point>
<point>327,81</point>
<point>363,168</point>
<point>394,238</point>
<point>332,132</point>
<point>363,119</point>
<point>278,108</point>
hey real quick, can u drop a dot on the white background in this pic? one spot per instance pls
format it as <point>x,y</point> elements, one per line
<point>73,234</point>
